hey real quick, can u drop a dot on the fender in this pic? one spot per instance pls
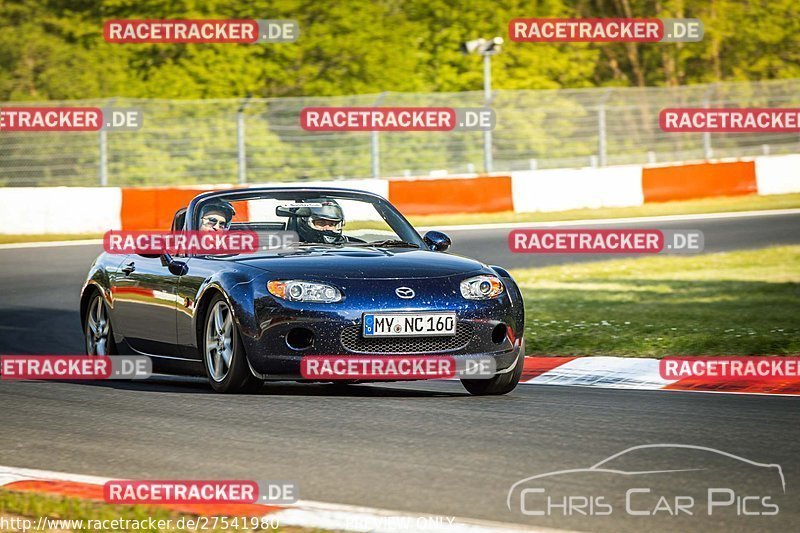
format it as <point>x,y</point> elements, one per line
<point>515,295</point>
<point>98,278</point>
<point>239,291</point>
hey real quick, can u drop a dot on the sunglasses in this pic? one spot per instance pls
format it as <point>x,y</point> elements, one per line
<point>212,221</point>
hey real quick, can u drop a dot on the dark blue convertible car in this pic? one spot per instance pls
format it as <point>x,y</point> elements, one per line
<point>356,264</point>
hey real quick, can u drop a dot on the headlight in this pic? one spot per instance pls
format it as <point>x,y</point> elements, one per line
<point>482,288</point>
<point>304,291</point>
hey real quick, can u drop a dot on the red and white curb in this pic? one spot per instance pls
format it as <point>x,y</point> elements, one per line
<point>636,373</point>
<point>307,514</point>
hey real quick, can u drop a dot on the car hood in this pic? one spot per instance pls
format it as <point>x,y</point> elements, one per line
<point>361,262</point>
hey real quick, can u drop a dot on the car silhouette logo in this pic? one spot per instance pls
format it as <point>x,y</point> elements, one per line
<point>404,292</point>
<point>607,466</point>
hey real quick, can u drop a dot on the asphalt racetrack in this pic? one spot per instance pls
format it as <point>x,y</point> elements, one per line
<point>423,447</point>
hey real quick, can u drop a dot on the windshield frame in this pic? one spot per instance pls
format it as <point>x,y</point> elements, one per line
<point>396,221</point>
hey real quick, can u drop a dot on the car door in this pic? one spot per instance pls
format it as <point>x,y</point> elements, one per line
<point>198,271</point>
<point>144,294</point>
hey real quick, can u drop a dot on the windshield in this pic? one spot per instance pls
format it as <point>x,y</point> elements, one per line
<point>317,218</point>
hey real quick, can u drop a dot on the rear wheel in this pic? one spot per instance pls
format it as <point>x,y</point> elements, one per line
<point>97,328</point>
<point>500,383</point>
<point>223,352</point>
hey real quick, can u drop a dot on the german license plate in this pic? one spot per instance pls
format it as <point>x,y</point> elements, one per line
<point>409,324</point>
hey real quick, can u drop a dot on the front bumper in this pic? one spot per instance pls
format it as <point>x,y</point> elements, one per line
<point>287,367</point>
<point>335,329</point>
<point>271,353</point>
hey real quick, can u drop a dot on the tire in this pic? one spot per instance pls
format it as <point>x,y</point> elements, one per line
<point>499,384</point>
<point>98,336</point>
<point>223,352</point>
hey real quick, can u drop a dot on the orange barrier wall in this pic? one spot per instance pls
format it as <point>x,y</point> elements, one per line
<point>155,207</point>
<point>684,182</point>
<point>486,194</point>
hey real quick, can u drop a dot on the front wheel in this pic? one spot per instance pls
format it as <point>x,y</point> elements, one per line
<point>223,352</point>
<point>500,383</point>
<point>97,328</point>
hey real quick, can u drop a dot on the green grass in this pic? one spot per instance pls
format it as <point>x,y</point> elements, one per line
<point>48,237</point>
<point>708,205</point>
<point>736,303</point>
<point>32,505</point>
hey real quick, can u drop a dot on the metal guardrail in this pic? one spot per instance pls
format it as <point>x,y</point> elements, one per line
<point>260,140</point>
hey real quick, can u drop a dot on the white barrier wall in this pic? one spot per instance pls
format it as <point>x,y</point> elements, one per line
<point>43,210</point>
<point>38,210</point>
<point>778,174</point>
<point>576,188</point>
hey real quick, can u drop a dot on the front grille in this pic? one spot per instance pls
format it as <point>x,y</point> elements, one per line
<point>354,342</point>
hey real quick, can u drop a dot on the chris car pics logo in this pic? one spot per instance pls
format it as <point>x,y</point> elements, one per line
<point>642,480</point>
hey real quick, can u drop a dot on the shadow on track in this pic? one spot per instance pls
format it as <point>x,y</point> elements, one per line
<point>192,385</point>
<point>38,330</point>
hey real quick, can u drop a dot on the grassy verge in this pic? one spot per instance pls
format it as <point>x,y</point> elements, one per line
<point>15,505</point>
<point>736,303</point>
<point>48,237</point>
<point>709,205</point>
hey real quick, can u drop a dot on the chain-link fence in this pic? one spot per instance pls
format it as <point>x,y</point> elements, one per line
<point>260,140</point>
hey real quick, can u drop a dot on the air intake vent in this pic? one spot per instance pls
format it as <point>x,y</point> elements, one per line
<point>354,342</point>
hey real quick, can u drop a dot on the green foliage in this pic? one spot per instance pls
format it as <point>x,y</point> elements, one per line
<point>53,49</point>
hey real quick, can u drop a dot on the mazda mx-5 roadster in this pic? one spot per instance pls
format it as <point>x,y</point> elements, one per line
<point>339,287</point>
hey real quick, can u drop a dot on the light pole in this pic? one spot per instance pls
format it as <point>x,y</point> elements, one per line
<point>487,49</point>
<point>241,155</point>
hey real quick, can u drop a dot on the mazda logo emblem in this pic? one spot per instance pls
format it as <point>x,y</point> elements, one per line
<point>404,292</point>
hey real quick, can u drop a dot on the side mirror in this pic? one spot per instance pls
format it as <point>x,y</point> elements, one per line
<point>178,268</point>
<point>437,241</point>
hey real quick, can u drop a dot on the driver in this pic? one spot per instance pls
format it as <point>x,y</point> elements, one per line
<point>323,224</point>
<point>216,216</point>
